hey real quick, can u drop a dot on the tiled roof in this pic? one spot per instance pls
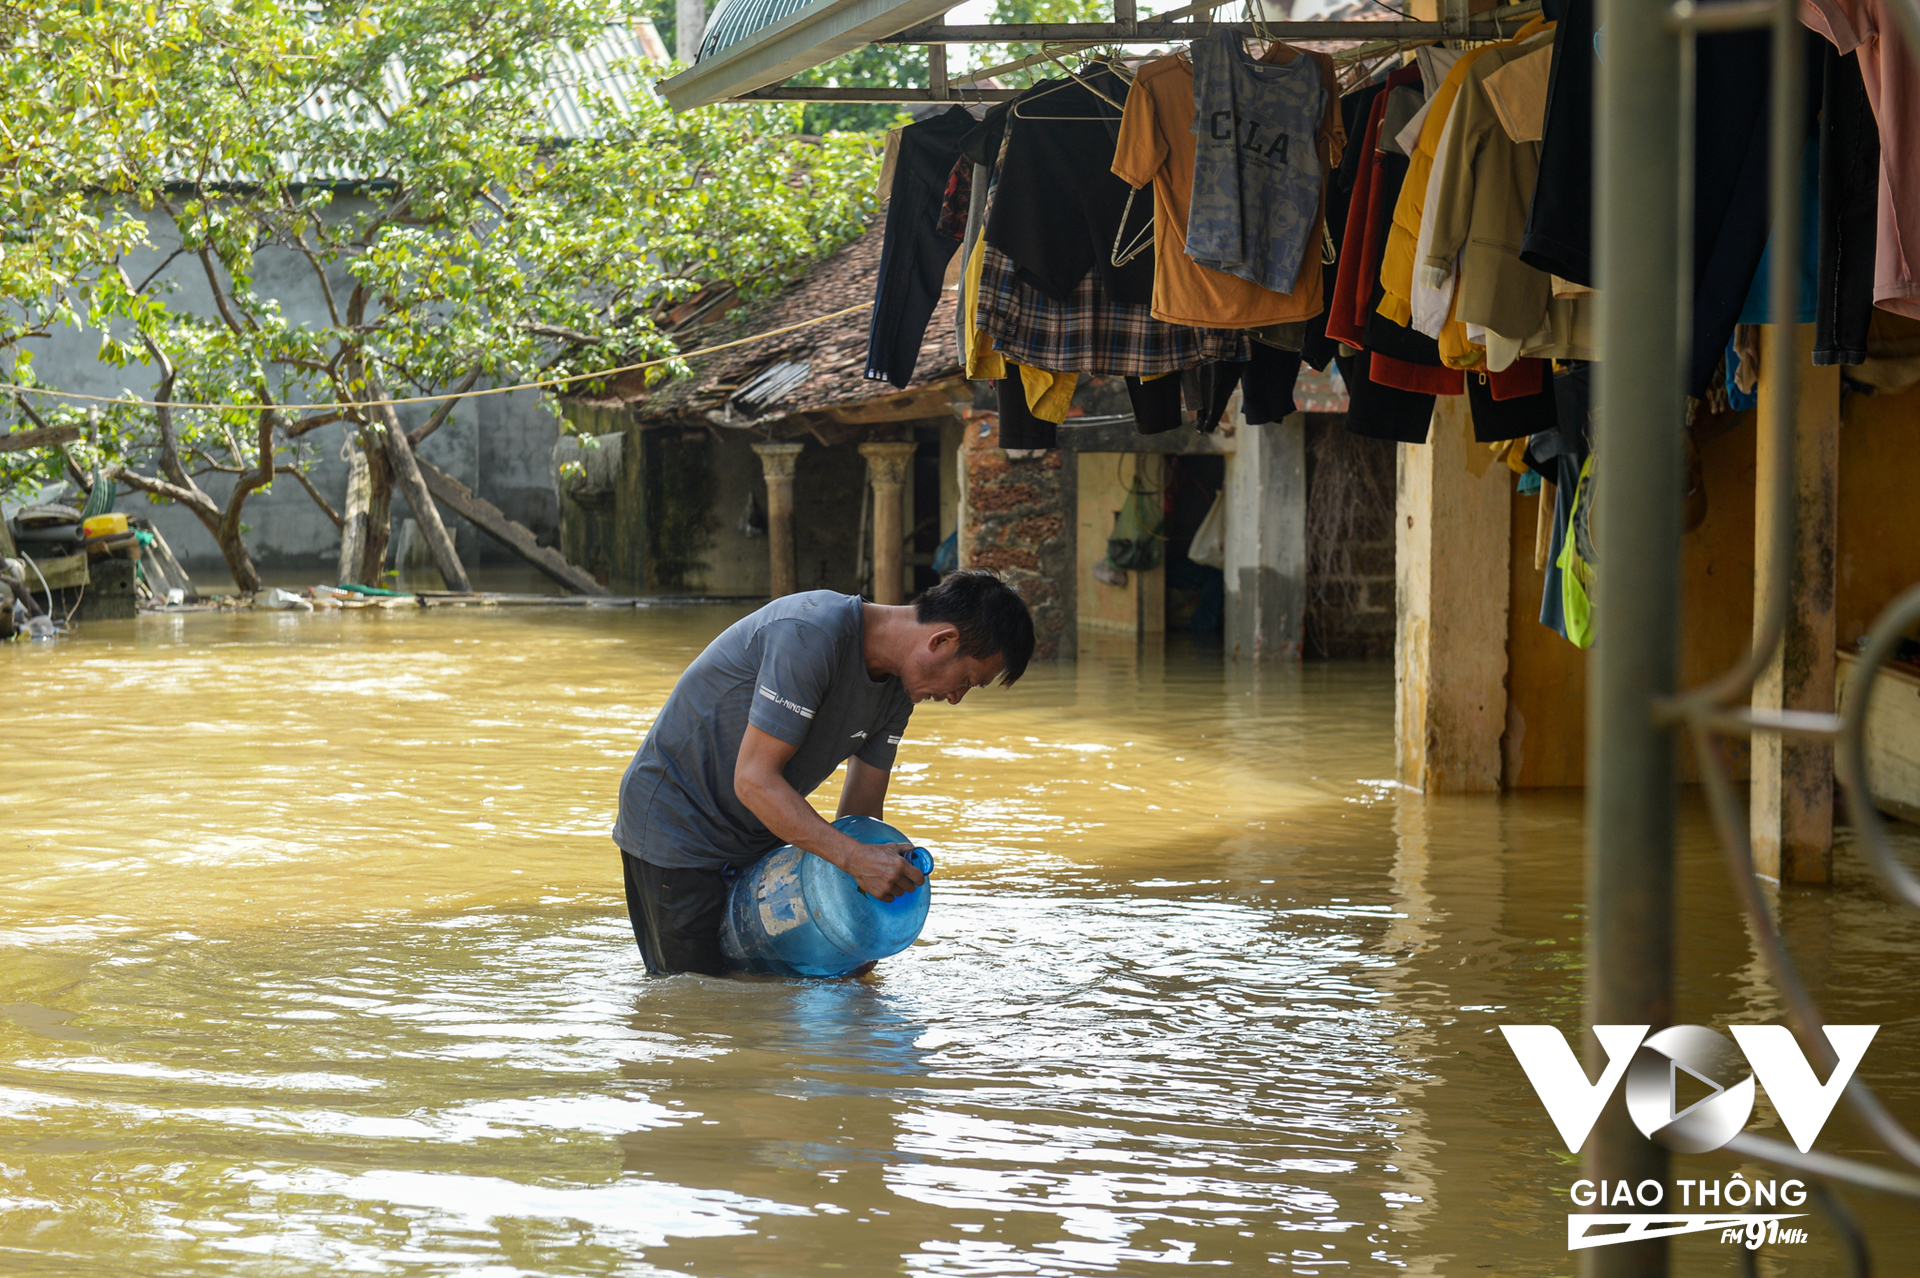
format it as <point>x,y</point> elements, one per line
<point>834,353</point>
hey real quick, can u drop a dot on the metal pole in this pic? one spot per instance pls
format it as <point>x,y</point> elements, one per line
<point>1639,395</point>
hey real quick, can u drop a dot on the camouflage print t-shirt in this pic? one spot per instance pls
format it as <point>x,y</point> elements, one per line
<point>1256,173</point>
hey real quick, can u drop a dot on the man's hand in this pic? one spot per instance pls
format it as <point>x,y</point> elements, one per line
<point>881,869</point>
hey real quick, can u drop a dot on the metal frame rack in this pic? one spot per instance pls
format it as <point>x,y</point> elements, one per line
<point>1644,123</point>
<point>760,76</point>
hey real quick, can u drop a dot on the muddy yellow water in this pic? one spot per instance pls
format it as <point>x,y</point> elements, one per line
<point>313,961</point>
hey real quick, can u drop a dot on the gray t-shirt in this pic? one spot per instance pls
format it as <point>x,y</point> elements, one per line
<point>1256,168</point>
<point>794,670</point>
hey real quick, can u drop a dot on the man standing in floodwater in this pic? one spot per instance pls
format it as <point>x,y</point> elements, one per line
<point>772,707</point>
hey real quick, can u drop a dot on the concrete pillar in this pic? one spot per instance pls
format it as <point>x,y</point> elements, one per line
<point>689,25</point>
<point>1266,567</point>
<point>1451,543</point>
<point>887,471</point>
<point>776,461</point>
<point>1792,795</point>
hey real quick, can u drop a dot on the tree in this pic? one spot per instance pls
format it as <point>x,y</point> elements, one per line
<point>404,154</point>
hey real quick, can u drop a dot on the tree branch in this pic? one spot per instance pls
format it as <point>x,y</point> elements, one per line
<point>562,334</point>
<point>319,273</point>
<point>220,294</point>
<point>192,498</point>
<point>315,422</point>
<point>314,493</point>
<point>170,464</point>
<point>168,261</point>
<point>440,414</point>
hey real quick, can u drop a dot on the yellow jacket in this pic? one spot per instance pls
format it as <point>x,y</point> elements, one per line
<point>1396,261</point>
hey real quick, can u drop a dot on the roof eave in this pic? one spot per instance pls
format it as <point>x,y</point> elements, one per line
<point>798,42</point>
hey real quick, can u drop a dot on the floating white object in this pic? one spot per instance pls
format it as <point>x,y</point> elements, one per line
<point>278,600</point>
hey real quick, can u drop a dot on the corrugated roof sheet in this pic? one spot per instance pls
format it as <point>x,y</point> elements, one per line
<point>609,68</point>
<point>736,19</point>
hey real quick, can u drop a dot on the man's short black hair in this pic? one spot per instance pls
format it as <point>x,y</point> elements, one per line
<point>990,615</point>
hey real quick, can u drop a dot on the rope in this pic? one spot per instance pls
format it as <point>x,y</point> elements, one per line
<point>434,399</point>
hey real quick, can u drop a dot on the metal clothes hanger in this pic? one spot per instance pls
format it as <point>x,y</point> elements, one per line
<point>1141,242</point>
<point>1074,77</point>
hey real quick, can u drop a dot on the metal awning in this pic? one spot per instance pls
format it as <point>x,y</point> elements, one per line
<point>753,46</point>
<point>794,38</point>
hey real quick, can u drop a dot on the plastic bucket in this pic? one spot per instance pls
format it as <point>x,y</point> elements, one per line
<point>792,913</point>
<point>104,525</point>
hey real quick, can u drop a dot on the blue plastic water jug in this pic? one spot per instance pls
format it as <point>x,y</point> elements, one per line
<point>792,913</point>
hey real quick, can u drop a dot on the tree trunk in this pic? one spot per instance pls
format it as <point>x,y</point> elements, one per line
<point>406,471</point>
<point>373,555</point>
<point>353,527</point>
<point>517,537</point>
<point>234,549</point>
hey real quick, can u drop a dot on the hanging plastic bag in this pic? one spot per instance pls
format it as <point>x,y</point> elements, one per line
<point>1138,531</point>
<point>1576,562</point>
<point>1209,547</point>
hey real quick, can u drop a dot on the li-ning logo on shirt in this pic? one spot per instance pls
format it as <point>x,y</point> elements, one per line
<point>779,700</point>
<point>860,735</point>
<point>1223,132</point>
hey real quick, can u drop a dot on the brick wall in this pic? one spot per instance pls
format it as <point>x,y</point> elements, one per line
<point>1350,609</point>
<point>1014,521</point>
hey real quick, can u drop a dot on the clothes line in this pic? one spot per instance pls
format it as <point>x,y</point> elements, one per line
<point>544,384</point>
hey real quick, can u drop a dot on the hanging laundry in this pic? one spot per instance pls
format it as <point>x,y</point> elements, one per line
<point>1484,193</point>
<point>1731,148</point>
<point>1318,348</point>
<point>1157,146</point>
<point>1088,332</point>
<point>1265,381</point>
<point>1499,416</point>
<point>1849,212</point>
<point>1729,179</point>
<point>1402,358</point>
<point>1350,304</point>
<point>1431,303</point>
<point>1892,82</point>
<point>1434,61</point>
<point>914,255</point>
<point>1397,259</point>
<point>1756,310</point>
<point>1559,235</point>
<point>1060,206</point>
<point>1558,456</point>
<point>1518,92</point>
<point>1257,179</point>
<point>952,222</point>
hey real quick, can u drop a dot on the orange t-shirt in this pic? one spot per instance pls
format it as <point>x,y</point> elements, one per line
<point>1156,145</point>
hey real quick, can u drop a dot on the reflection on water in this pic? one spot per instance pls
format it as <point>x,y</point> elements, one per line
<point>312,960</point>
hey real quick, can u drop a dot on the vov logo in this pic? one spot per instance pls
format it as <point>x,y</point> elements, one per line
<point>1651,1067</point>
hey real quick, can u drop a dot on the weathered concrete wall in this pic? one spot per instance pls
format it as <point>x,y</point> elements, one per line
<point>500,446</point>
<point>1266,567</point>
<point>1014,520</point>
<point>1450,649</point>
<point>1877,557</point>
<point>673,510</point>
<point>1349,537</point>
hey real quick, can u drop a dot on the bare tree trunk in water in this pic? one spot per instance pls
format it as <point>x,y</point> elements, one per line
<point>406,472</point>
<point>353,527</point>
<point>373,559</point>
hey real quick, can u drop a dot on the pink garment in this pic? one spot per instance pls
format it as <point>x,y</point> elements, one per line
<point>1893,87</point>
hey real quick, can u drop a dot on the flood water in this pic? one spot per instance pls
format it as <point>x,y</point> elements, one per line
<point>313,960</point>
